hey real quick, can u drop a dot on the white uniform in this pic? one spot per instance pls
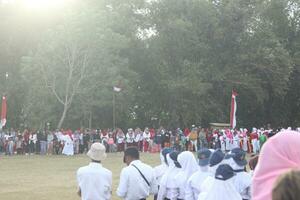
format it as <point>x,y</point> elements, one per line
<point>228,143</point>
<point>161,169</point>
<point>168,188</point>
<point>129,138</point>
<point>236,142</point>
<point>193,187</point>
<point>221,190</point>
<point>69,146</point>
<point>189,166</point>
<point>245,143</point>
<point>132,185</point>
<point>223,143</point>
<point>242,180</point>
<point>95,182</point>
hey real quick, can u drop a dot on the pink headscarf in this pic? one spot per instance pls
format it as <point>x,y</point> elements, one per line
<point>279,154</point>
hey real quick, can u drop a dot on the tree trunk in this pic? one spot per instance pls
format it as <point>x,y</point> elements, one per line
<point>63,116</point>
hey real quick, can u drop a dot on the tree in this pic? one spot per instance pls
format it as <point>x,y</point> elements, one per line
<point>77,50</point>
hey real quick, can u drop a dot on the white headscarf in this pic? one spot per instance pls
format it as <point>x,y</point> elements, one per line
<point>161,169</point>
<point>224,190</point>
<point>168,179</point>
<point>188,163</point>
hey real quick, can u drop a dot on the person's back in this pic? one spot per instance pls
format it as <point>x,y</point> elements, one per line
<point>168,188</point>
<point>242,180</point>
<point>193,187</point>
<point>137,180</point>
<point>95,181</point>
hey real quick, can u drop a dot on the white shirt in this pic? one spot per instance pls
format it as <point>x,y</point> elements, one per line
<point>129,138</point>
<point>132,186</point>
<point>95,182</point>
<point>168,187</point>
<point>138,137</point>
<point>146,136</point>
<point>193,187</point>
<point>242,182</point>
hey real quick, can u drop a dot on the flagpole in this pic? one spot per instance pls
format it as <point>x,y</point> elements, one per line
<point>114,110</point>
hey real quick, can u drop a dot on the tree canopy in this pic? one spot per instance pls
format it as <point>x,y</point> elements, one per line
<point>175,61</point>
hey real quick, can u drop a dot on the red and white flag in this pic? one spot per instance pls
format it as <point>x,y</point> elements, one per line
<point>233,109</point>
<point>3,112</point>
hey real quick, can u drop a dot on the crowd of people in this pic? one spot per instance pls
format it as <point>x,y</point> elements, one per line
<point>70,142</point>
<point>273,174</point>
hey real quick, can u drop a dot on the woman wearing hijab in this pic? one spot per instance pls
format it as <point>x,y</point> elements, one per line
<point>189,166</point>
<point>168,189</point>
<point>222,187</point>
<point>279,154</point>
<point>161,169</point>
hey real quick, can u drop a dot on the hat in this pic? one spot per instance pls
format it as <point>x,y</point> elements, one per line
<point>97,152</point>
<point>224,172</point>
<point>238,155</point>
<point>216,157</point>
<point>203,156</point>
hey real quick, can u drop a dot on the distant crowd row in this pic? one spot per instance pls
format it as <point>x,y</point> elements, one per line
<point>70,142</point>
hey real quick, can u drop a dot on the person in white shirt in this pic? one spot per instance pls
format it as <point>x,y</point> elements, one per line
<point>222,186</point>
<point>161,169</point>
<point>215,160</point>
<point>194,183</point>
<point>189,166</point>
<point>32,142</point>
<point>236,158</point>
<point>95,181</point>
<point>130,138</point>
<point>168,189</point>
<point>68,149</point>
<point>137,180</point>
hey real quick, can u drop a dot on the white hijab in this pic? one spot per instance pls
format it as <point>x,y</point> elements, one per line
<point>161,169</point>
<point>168,179</point>
<point>224,190</point>
<point>188,163</point>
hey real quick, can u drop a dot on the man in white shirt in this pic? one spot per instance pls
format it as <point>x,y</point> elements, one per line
<point>137,180</point>
<point>95,181</point>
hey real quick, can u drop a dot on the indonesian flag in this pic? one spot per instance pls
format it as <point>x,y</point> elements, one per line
<point>3,112</point>
<point>233,109</point>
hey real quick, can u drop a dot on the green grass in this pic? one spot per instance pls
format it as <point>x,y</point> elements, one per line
<point>52,177</point>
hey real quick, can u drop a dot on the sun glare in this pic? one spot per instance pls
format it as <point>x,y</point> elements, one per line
<point>43,4</point>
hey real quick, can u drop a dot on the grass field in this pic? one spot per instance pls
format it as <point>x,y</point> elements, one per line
<point>52,177</point>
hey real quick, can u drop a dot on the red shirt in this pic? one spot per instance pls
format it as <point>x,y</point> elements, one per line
<point>253,136</point>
